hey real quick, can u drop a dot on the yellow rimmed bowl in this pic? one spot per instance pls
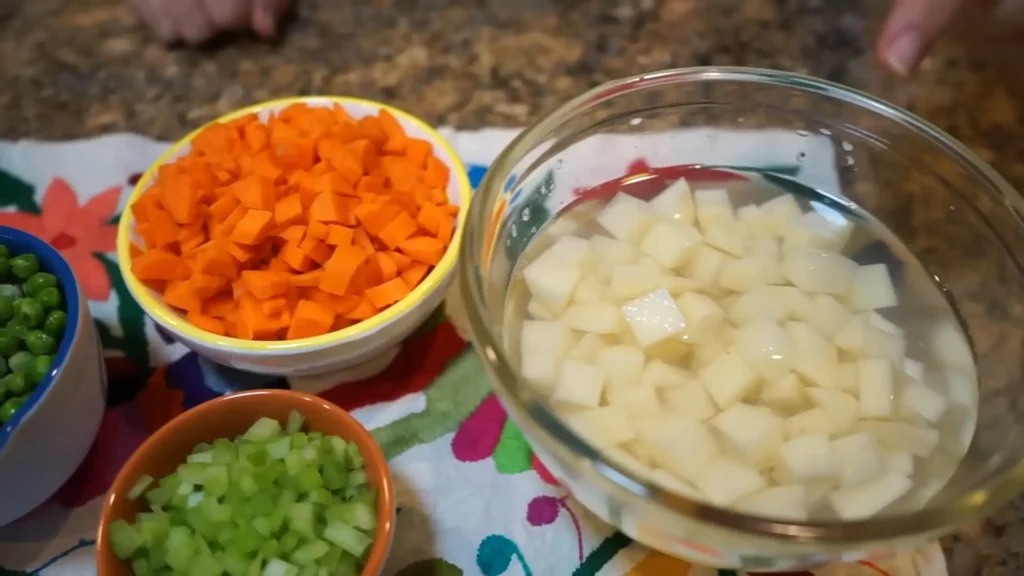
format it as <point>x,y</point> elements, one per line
<point>356,352</point>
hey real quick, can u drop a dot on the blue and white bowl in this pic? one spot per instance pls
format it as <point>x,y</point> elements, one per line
<point>43,444</point>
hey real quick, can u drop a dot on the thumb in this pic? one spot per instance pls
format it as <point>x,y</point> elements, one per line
<point>265,14</point>
<point>910,29</point>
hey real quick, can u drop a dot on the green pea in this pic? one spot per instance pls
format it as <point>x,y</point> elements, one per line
<point>29,312</point>
<point>5,252</point>
<point>38,281</point>
<point>16,384</point>
<point>10,407</point>
<point>6,309</point>
<point>24,266</point>
<point>3,367</point>
<point>19,330</point>
<point>50,298</point>
<point>21,362</point>
<point>55,323</point>
<point>9,342</point>
<point>39,342</point>
<point>5,268</point>
<point>10,291</point>
<point>41,368</point>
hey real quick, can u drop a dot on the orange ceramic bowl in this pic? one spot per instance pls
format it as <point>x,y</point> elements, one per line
<point>227,417</point>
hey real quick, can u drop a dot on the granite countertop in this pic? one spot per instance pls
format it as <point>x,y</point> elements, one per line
<point>76,68</point>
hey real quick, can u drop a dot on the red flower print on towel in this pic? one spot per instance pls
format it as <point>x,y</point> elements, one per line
<point>78,232</point>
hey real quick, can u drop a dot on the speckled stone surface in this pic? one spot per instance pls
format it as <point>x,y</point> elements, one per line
<point>74,68</point>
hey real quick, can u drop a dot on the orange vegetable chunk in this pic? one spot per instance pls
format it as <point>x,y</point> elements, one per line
<point>310,319</point>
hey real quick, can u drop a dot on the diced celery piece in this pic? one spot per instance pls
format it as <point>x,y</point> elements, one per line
<point>308,570</point>
<point>256,568</point>
<point>214,511</point>
<point>194,498</point>
<point>339,447</point>
<point>205,565</point>
<point>277,518</point>
<point>162,494</point>
<point>355,513</point>
<point>310,552</point>
<point>139,487</point>
<point>349,565</point>
<point>293,462</point>
<point>290,541</point>
<point>355,457</point>
<point>315,436</point>
<point>279,449</point>
<point>261,505</point>
<point>247,484</point>
<point>347,538</point>
<point>368,496</point>
<point>286,498</point>
<point>140,567</point>
<point>180,548</point>
<point>295,421</point>
<point>278,567</point>
<point>357,478</point>
<point>245,540</point>
<point>153,527</point>
<point>216,480</point>
<point>233,563</point>
<point>124,539</point>
<point>310,453</point>
<point>262,525</point>
<point>309,479</point>
<point>192,472</point>
<point>200,457</point>
<point>301,517</point>
<point>335,475</point>
<point>299,441</point>
<point>262,430</point>
<point>270,549</point>
<point>331,559</point>
<point>201,447</point>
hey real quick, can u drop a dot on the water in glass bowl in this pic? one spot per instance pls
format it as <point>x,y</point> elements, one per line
<point>748,342</point>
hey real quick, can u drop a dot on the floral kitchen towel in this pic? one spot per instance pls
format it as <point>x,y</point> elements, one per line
<point>472,497</point>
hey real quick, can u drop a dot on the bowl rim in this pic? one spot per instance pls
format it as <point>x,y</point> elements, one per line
<point>175,322</point>
<point>51,261</point>
<point>386,492</point>
<point>621,482</point>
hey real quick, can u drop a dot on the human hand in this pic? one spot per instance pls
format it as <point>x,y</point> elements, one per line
<point>196,21</point>
<point>912,26</point>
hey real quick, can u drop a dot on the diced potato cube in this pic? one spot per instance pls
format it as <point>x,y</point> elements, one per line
<point>675,203</point>
<point>594,318</point>
<point>827,232</point>
<point>726,480</point>
<point>602,427</point>
<point>913,369</point>
<point>689,400</point>
<point>785,394</point>
<point>579,384</point>
<point>871,288</point>
<point>613,250</point>
<point>765,249</point>
<point>538,311</point>
<point>761,303</point>
<point>846,378</point>
<point>683,447</point>
<point>713,208</point>
<point>589,290</point>
<point>728,237</point>
<point>899,462</point>
<point>658,373</point>
<point>752,219</point>
<point>728,378</point>
<point>877,386</point>
<point>828,316</point>
<point>766,348</point>
<point>624,459</point>
<point>799,303</point>
<point>667,481</point>
<point>858,459</point>
<point>705,265</point>
<point>670,245</point>
<point>808,457</point>
<point>926,402</point>
<point>901,436</point>
<point>779,214</point>
<point>841,407</point>
<point>861,338</point>
<point>670,350</point>
<point>702,316</point>
<point>622,364</point>
<point>813,421</point>
<point>634,280</point>
<point>755,432</point>
<point>562,227</point>
<point>882,323</point>
<point>706,351</point>
<point>641,451</point>
<point>870,498</point>
<point>784,502</point>
<point>818,491</point>
<point>553,275</point>
<point>626,218</point>
<point>585,350</point>
<point>635,400</point>
<point>653,317</point>
<point>815,270</point>
<point>677,285</point>
<point>814,358</point>
<point>743,274</point>
<point>949,346</point>
<point>543,344</point>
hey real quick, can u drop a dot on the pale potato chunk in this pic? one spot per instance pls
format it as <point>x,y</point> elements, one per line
<point>743,274</point>
<point>813,421</point>
<point>762,303</point>
<point>858,459</point>
<point>670,350</point>
<point>538,311</point>
<point>950,347</point>
<point>624,459</point>
<point>689,400</point>
<point>585,350</point>
<point>815,270</point>
<point>784,502</point>
<point>623,365</point>
<point>877,386</point>
<point>677,285</point>
<point>543,344</point>
<point>726,480</point>
<point>626,218</point>
<point>752,219</point>
<point>706,351</point>
<point>670,245</point>
<point>755,432</point>
<point>871,288</point>
<point>667,481</point>
<point>653,317</point>
<point>818,491</point>
<point>766,348</point>
<point>846,378</point>
<point>594,318</point>
<point>683,447</point>
<point>562,227</point>
<point>785,394</point>
<point>579,384</point>
<point>602,427</point>
<point>860,337</point>
<point>703,316</point>
<point>901,436</point>
<point>613,250</point>
<point>924,401</point>
<point>799,303</point>
<point>828,316</point>
<point>765,249</point>
<point>675,203</point>
<point>705,265</point>
<point>553,275</point>
<point>814,357</point>
<point>637,401</point>
<point>779,214</point>
<point>815,230</point>
<point>913,369</point>
<point>899,462</point>
<point>728,237</point>
<point>870,498</point>
<point>841,407</point>
<point>713,208</point>
<point>591,289</point>
<point>728,378</point>
<point>658,373</point>
<point>635,280</point>
<point>808,457</point>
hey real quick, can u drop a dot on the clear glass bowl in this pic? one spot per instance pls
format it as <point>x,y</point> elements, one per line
<point>959,218</point>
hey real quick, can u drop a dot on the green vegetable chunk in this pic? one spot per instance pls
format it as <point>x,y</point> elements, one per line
<point>39,342</point>
<point>124,539</point>
<point>21,362</point>
<point>50,298</point>
<point>16,384</point>
<point>56,321</point>
<point>41,367</point>
<point>29,312</point>
<point>5,268</point>
<point>24,266</point>
<point>275,501</point>
<point>9,342</point>
<point>10,407</point>
<point>10,291</point>
<point>6,309</point>
<point>5,252</point>
<point>39,281</point>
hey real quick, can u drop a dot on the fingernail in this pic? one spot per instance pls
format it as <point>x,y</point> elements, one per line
<point>904,50</point>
